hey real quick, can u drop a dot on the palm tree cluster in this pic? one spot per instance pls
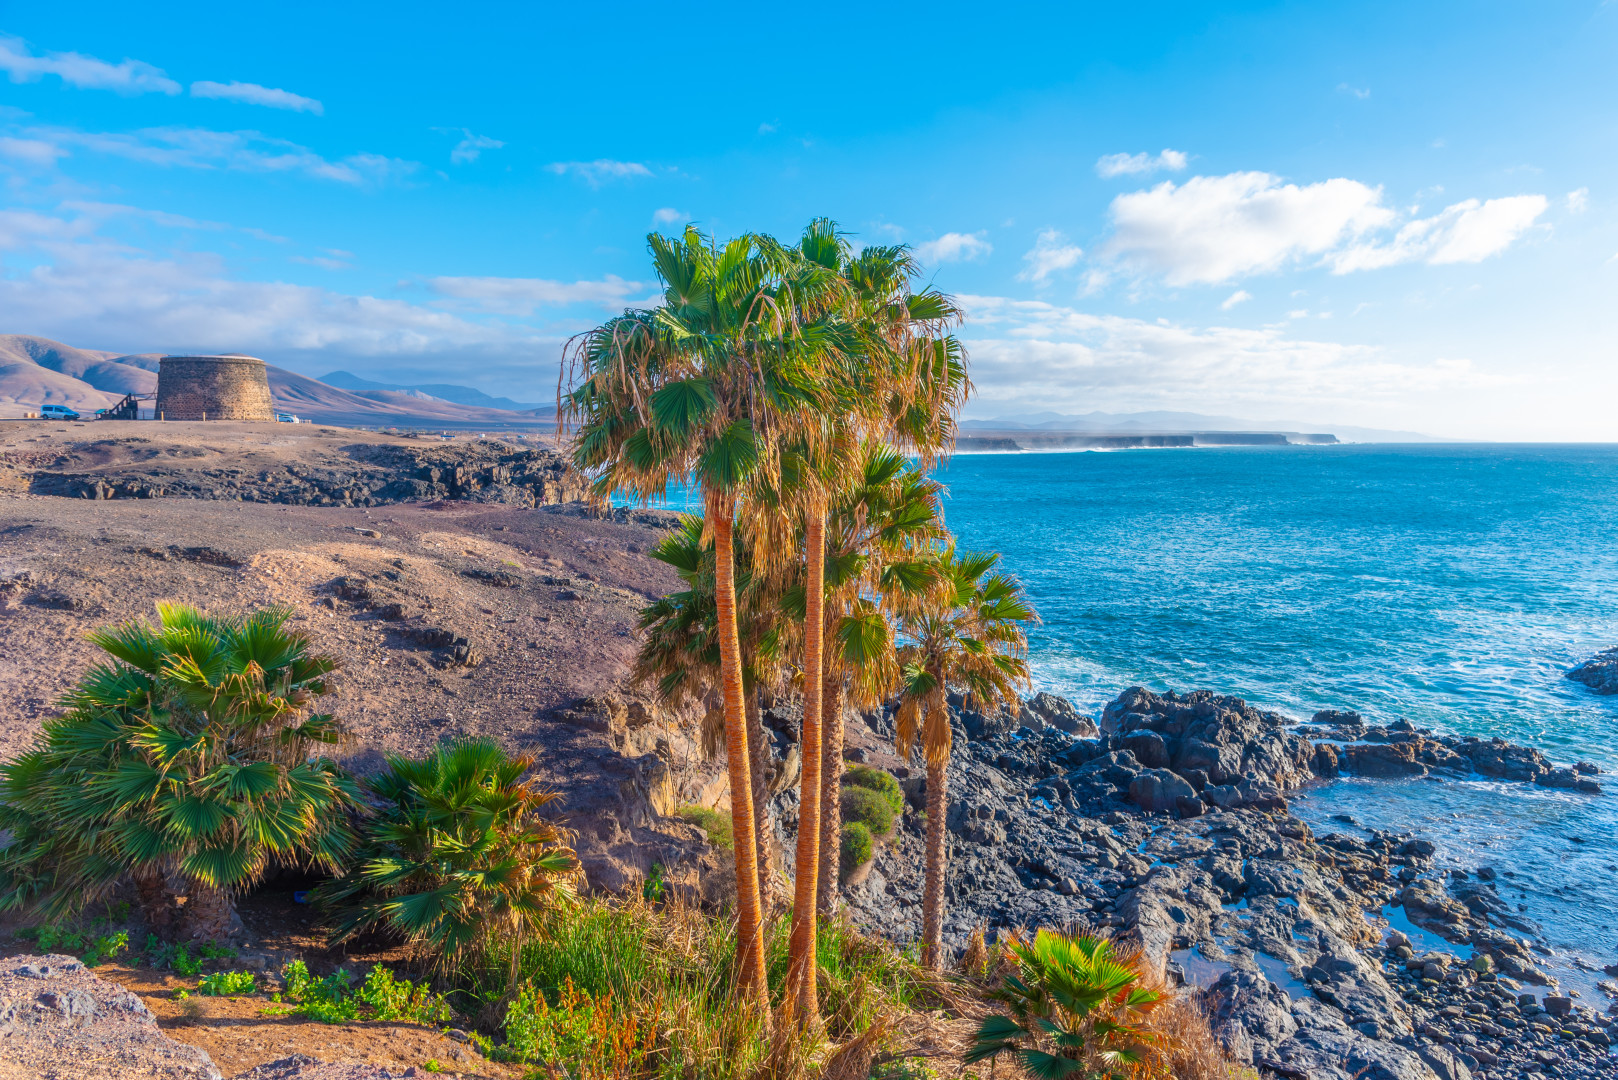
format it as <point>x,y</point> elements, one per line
<point>191,759</point>
<point>806,389</point>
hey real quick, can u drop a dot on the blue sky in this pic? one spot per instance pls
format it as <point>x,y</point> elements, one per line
<point>1391,215</point>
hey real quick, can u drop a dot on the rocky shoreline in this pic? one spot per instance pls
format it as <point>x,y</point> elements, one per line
<point>1168,822</point>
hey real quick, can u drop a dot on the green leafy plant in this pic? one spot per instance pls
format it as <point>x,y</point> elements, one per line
<point>656,886</point>
<point>191,748</point>
<point>184,960</point>
<point>712,822</point>
<point>432,1065</point>
<point>334,999</point>
<point>227,983</point>
<point>1076,1010</point>
<point>459,858</point>
<point>106,947</point>
<point>858,846</point>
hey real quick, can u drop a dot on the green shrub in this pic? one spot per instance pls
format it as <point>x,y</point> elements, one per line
<point>868,808</point>
<point>335,1000</point>
<point>884,784</point>
<point>715,823</point>
<point>227,983</point>
<point>858,846</point>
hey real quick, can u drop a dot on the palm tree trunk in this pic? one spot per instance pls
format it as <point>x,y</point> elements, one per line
<point>801,965</point>
<point>751,985</point>
<point>761,800</point>
<point>155,900</point>
<point>831,793</point>
<point>932,895</point>
<point>208,912</point>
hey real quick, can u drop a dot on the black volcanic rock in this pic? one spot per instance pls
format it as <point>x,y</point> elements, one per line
<point>1599,673</point>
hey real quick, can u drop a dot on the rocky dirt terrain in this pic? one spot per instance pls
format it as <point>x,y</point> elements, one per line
<point>449,618</point>
<point>60,1021</point>
<point>1170,827</point>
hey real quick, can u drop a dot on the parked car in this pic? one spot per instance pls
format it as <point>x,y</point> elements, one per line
<point>57,412</point>
<point>286,418</point>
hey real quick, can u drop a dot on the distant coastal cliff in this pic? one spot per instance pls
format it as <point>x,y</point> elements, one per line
<point>996,441</point>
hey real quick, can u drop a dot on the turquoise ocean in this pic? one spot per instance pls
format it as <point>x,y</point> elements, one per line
<point>1451,585</point>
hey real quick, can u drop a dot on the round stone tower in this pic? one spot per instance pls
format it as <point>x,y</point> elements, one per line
<point>213,388</point>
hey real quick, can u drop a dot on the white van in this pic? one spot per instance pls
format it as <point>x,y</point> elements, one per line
<point>57,412</point>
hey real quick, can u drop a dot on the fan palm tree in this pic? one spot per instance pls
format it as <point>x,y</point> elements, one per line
<point>679,655</point>
<point>968,635</point>
<point>702,389</point>
<point>1073,994</point>
<point>459,859</point>
<point>897,375</point>
<point>192,750</point>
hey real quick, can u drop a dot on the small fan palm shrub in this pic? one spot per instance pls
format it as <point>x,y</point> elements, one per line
<point>192,753</point>
<point>458,859</point>
<point>1076,1010</point>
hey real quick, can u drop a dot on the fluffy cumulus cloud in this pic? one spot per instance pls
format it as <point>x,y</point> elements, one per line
<point>1213,229</point>
<point>1051,252</point>
<point>955,247</point>
<point>1033,356</point>
<point>253,94</point>
<point>127,77</point>
<point>1578,201</point>
<point>597,172</point>
<point>524,296</point>
<point>668,215</point>
<point>1111,165</point>
<point>202,148</point>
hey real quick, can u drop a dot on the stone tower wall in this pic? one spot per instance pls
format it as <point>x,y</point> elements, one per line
<point>213,388</point>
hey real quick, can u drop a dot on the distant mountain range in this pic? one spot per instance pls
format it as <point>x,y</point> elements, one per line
<point>1162,422</point>
<point>37,371</point>
<point>460,395</point>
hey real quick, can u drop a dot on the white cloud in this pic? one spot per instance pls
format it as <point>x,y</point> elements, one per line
<point>595,173</point>
<point>522,296</point>
<point>248,151</point>
<point>667,215</point>
<point>471,146</point>
<point>1111,165</point>
<point>1361,93</point>
<point>253,94</point>
<point>1051,253</point>
<point>85,72</point>
<point>319,260</point>
<point>1034,356</point>
<point>767,128</point>
<point>955,247</point>
<point>1240,296</point>
<point>35,152</point>
<point>1212,229</point>
<point>1466,232</point>
<point>1578,201</point>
